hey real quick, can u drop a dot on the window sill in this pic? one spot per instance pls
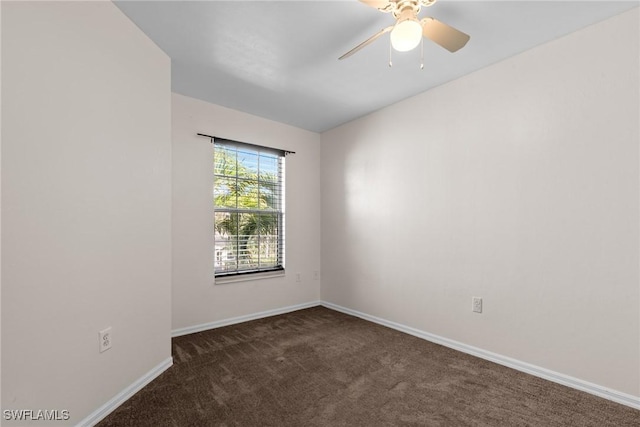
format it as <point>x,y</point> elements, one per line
<point>248,277</point>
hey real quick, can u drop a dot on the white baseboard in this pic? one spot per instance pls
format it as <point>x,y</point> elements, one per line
<point>556,377</point>
<point>96,416</point>
<point>232,321</point>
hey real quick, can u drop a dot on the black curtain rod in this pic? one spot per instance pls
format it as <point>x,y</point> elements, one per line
<point>246,143</point>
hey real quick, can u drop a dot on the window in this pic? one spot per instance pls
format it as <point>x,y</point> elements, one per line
<point>248,195</point>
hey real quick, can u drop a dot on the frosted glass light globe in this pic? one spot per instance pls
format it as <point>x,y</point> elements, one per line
<point>406,35</point>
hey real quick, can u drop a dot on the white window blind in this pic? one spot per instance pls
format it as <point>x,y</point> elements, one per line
<point>248,196</point>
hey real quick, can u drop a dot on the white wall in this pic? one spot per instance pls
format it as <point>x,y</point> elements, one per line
<point>519,184</point>
<point>196,300</point>
<point>86,199</point>
<point>0,210</point>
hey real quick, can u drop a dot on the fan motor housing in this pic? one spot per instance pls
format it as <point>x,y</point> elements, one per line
<point>400,8</point>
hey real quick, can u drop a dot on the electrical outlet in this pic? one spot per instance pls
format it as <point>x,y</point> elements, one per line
<point>476,304</point>
<point>104,338</point>
<point>316,275</point>
<point>298,278</point>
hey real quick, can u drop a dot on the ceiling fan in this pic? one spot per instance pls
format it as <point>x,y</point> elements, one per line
<point>408,30</point>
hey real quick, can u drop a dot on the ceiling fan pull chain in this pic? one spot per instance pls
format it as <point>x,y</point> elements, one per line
<point>422,54</point>
<point>390,63</point>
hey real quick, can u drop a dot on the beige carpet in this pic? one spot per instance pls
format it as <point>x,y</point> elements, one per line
<point>318,367</point>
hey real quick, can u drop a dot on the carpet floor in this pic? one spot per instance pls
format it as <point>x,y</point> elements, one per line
<point>319,367</point>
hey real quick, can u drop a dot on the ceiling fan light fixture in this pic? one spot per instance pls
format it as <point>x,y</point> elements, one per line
<point>408,31</point>
<point>406,35</point>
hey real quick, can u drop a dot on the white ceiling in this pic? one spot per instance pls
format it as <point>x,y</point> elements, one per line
<point>279,59</point>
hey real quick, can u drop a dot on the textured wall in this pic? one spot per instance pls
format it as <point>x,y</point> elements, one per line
<point>518,183</point>
<point>86,199</point>
<point>196,300</point>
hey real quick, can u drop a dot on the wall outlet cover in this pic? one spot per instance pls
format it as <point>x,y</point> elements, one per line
<point>104,339</point>
<point>476,304</point>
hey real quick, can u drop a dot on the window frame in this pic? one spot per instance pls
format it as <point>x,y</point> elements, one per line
<point>260,151</point>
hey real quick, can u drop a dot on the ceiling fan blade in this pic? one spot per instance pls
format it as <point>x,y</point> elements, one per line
<point>444,35</point>
<point>377,4</point>
<point>366,42</point>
